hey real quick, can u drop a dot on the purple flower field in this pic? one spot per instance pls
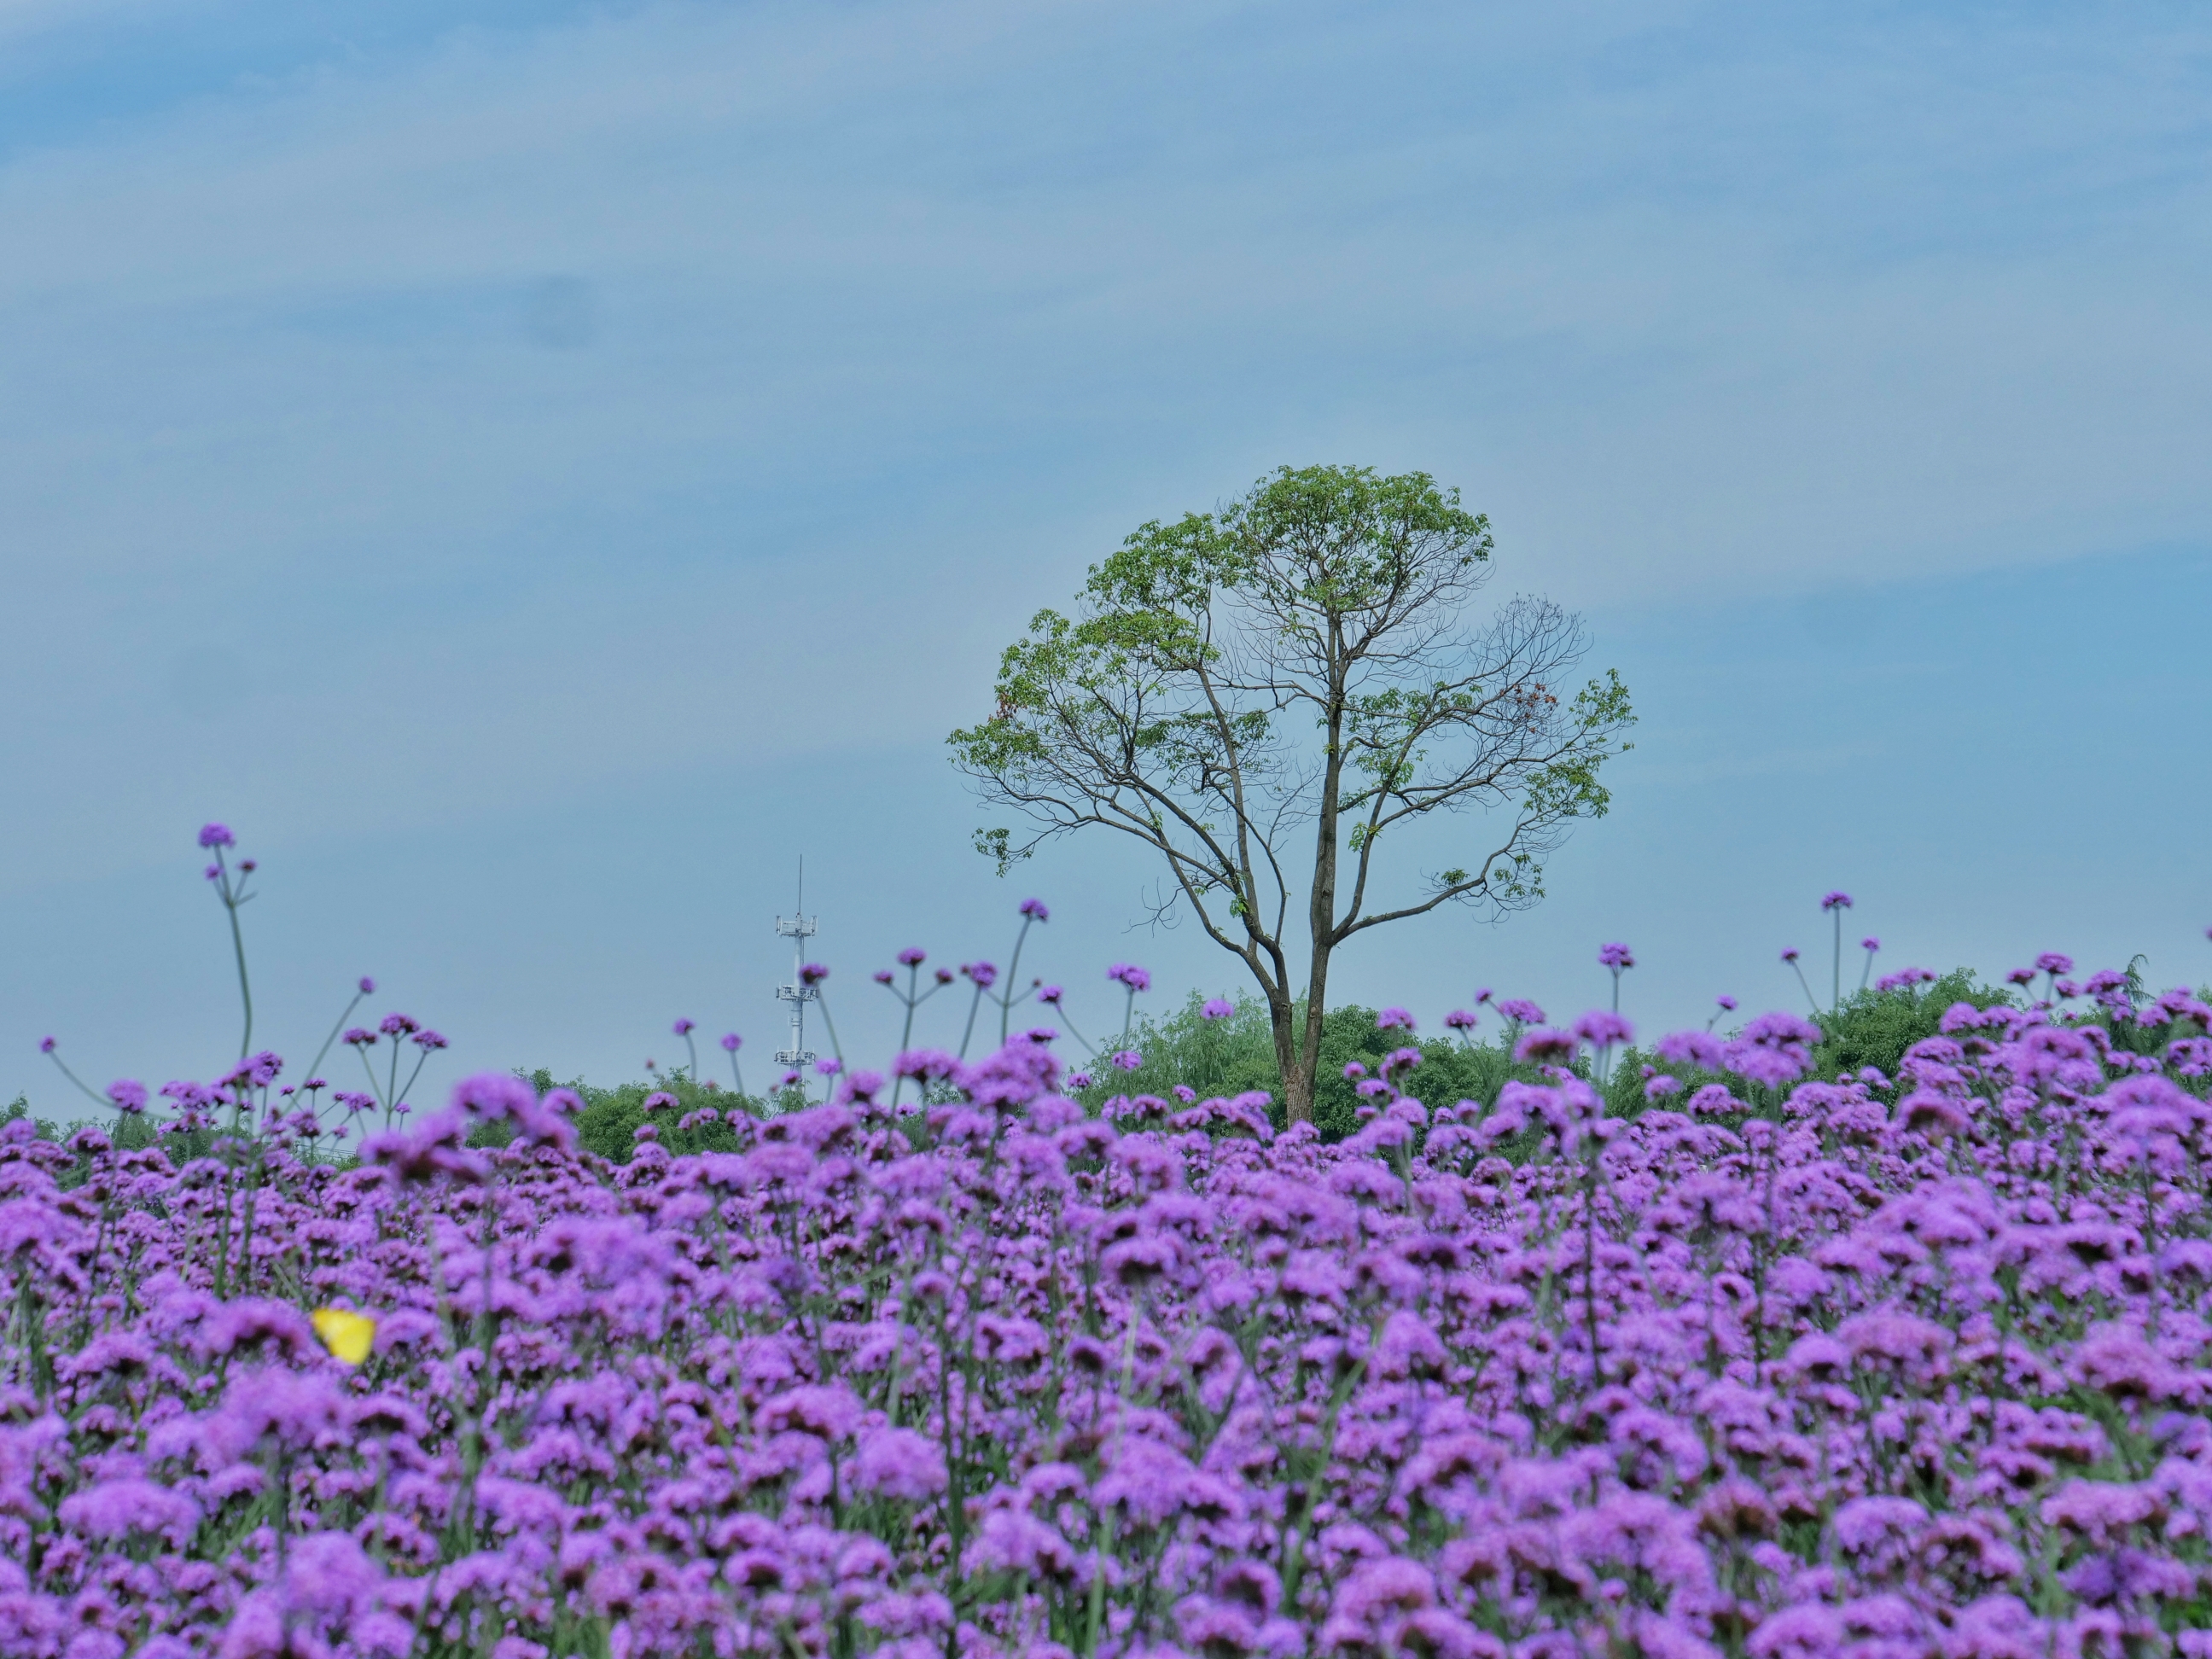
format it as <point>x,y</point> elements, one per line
<point>1777,1366</point>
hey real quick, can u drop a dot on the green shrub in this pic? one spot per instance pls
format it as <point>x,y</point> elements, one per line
<point>1874,1028</point>
<point>1236,1055</point>
<point>45,1128</point>
<point>609,1123</point>
<point>1232,1056</point>
<point>1229,1056</point>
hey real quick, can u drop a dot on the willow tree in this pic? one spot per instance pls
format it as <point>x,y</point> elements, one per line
<point>1269,697</point>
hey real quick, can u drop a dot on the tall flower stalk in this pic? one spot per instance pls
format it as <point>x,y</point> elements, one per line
<point>911,997</point>
<point>1033,911</point>
<point>1835,904</point>
<point>230,886</point>
<point>1617,959</point>
<point>1132,980</point>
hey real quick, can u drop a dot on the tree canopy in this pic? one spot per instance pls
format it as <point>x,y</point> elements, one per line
<point>1267,695</point>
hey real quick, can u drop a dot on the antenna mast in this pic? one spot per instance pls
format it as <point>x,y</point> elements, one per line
<point>798,929</point>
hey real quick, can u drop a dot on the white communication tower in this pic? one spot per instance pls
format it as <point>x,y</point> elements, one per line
<point>798,929</point>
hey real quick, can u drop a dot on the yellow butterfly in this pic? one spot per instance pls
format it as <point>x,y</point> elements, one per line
<point>346,1335</point>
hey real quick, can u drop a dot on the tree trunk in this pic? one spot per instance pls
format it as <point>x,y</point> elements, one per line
<point>1321,906</point>
<point>1308,1060</point>
<point>1297,1084</point>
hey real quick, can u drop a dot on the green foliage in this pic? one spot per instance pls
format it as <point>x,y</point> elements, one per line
<point>1235,1055</point>
<point>45,1128</point>
<point>609,1123</point>
<point>136,1130</point>
<point>1871,1028</point>
<point>1231,1056</point>
<point>1449,1073</point>
<point>1874,1028</point>
<point>130,1130</point>
<point>1226,1057</point>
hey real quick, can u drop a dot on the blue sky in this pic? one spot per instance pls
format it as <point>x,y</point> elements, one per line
<point>536,469</point>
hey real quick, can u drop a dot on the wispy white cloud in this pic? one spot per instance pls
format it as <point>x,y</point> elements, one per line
<point>1616,285</point>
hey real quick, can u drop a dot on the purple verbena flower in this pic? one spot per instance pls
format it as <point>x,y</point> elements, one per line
<point>1903,977</point>
<point>432,1152</point>
<point>498,1097</point>
<point>1698,1048</point>
<point>1543,1046</point>
<point>899,1464</point>
<point>114,1509</point>
<point>1400,1060</point>
<point>1601,1028</point>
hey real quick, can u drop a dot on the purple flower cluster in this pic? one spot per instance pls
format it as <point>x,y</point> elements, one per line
<point>1919,1365</point>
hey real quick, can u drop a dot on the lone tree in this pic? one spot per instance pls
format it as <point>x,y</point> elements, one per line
<point>1265,693</point>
